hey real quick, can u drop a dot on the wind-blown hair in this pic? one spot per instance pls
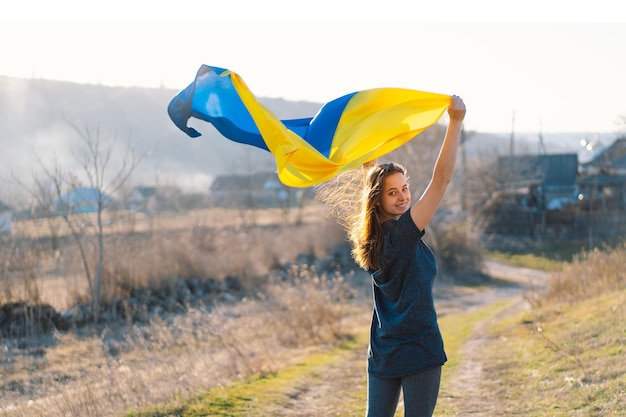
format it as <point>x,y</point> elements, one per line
<point>352,198</point>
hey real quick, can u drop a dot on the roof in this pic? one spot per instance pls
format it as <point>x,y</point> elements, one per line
<point>613,156</point>
<point>82,200</point>
<point>84,195</point>
<point>146,191</point>
<point>555,170</point>
<point>5,207</point>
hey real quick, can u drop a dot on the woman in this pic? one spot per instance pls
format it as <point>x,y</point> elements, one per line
<point>406,348</point>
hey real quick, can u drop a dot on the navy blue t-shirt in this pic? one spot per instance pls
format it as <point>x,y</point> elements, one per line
<point>404,336</point>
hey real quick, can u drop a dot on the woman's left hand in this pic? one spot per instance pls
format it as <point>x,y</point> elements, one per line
<point>456,110</point>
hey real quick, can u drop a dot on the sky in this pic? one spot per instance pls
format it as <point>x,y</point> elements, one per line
<point>538,66</point>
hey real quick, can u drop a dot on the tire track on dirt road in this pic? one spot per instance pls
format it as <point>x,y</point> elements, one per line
<point>332,390</point>
<point>469,383</point>
<point>338,388</point>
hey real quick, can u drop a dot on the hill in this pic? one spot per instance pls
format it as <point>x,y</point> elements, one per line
<point>34,115</point>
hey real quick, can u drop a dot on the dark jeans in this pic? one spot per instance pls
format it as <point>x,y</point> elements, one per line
<point>420,394</point>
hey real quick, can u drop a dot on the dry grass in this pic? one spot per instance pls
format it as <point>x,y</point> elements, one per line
<point>588,275</point>
<point>100,371</point>
<point>560,361</point>
<point>150,252</point>
<point>107,372</point>
<point>122,222</point>
<point>566,356</point>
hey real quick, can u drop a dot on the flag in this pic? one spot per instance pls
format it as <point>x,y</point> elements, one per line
<point>345,133</point>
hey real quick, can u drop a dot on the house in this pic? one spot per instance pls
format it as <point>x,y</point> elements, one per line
<point>602,183</point>
<point>6,218</point>
<point>532,191</point>
<point>82,200</point>
<point>142,198</point>
<point>610,161</point>
<point>164,198</point>
<point>258,190</point>
<point>552,196</point>
<point>546,182</point>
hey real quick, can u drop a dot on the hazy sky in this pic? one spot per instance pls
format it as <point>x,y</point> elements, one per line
<point>533,68</point>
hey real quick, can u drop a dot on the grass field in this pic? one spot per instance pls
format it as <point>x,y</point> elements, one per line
<point>551,362</point>
<point>297,348</point>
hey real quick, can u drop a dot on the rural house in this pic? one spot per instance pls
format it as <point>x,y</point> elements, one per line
<point>531,188</point>
<point>551,196</point>
<point>142,198</point>
<point>6,218</point>
<point>163,198</point>
<point>544,181</point>
<point>258,190</point>
<point>81,200</point>
<point>602,181</point>
<point>611,160</point>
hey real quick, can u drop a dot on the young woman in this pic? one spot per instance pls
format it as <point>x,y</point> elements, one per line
<point>406,348</point>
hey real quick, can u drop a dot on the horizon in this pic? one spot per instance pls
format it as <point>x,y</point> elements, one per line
<point>526,77</point>
<point>512,129</point>
<point>616,133</point>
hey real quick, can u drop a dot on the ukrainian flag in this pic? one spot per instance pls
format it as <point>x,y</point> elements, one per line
<point>344,134</point>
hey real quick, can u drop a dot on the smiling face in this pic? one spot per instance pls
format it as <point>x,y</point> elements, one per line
<point>395,198</point>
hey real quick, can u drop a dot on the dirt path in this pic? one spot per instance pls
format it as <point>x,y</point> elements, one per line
<point>333,390</point>
<point>468,385</point>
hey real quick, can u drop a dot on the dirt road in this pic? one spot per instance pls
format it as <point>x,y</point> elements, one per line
<point>468,381</point>
<point>339,388</point>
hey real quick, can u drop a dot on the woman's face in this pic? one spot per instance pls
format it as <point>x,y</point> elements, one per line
<point>396,197</point>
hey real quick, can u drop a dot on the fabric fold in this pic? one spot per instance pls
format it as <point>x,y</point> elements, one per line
<point>344,134</point>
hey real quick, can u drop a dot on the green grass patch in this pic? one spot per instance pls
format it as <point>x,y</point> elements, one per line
<point>528,260</point>
<point>257,395</point>
<point>561,360</point>
<point>252,396</point>
<point>456,330</point>
<point>540,255</point>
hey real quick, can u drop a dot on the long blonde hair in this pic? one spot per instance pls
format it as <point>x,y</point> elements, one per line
<point>363,223</point>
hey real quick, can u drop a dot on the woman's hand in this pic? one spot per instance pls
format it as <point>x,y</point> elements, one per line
<point>456,110</point>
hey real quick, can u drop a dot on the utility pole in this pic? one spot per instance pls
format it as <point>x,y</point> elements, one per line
<point>542,145</point>
<point>512,142</point>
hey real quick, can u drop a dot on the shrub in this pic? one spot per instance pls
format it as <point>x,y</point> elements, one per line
<point>457,249</point>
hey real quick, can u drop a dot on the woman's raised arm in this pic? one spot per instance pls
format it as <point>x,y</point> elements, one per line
<point>424,210</point>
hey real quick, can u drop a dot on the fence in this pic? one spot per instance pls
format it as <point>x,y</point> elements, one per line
<point>557,224</point>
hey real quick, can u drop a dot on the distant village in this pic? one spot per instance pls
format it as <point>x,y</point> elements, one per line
<point>556,196</point>
<point>254,191</point>
<point>537,195</point>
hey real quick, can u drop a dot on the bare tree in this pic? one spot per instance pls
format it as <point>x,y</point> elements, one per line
<point>42,195</point>
<point>95,157</point>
